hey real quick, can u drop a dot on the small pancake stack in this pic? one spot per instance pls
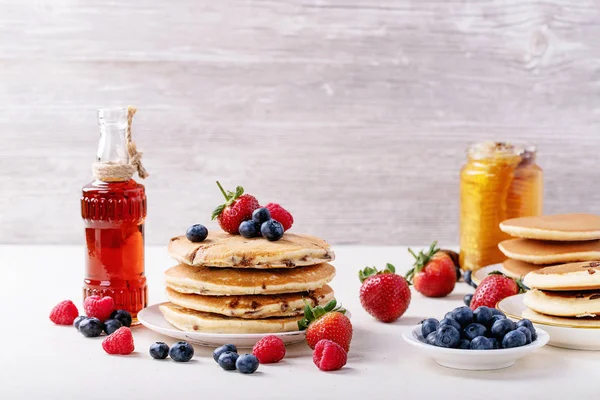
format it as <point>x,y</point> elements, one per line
<point>549,240</point>
<point>231,284</point>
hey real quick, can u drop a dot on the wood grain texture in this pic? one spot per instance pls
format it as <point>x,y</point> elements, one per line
<point>354,114</point>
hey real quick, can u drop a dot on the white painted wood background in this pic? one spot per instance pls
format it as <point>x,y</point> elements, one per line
<point>354,114</point>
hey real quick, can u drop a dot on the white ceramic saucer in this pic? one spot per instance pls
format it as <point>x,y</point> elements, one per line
<point>561,335</point>
<point>481,273</point>
<point>152,318</point>
<point>474,360</point>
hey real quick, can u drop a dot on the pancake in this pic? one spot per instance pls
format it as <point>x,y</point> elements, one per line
<point>564,304</point>
<point>574,276</point>
<point>230,281</point>
<point>254,306</point>
<point>539,252</point>
<point>562,321</point>
<point>196,321</point>
<point>561,227</point>
<point>221,249</point>
<point>517,269</point>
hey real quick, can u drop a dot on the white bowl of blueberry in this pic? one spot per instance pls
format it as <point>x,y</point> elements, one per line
<point>483,339</point>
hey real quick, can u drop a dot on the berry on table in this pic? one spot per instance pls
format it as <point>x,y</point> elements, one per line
<point>526,332</point>
<point>280,214</point>
<point>464,344</point>
<point>272,230</point>
<point>238,207</point>
<point>159,350</point>
<point>501,328</point>
<point>474,330</point>
<point>482,315</point>
<point>249,229</point>
<point>433,273</point>
<point>429,325</point>
<point>451,322</point>
<point>111,325</point>
<point>227,360</point>
<point>64,313</point>
<point>246,363</point>
<point>123,316</point>
<point>99,307</point>
<point>447,336</point>
<point>261,215</point>
<point>120,342</point>
<point>220,350</point>
<point>269,349</point>
<point>527,324</point>
<point>494,288</point>
<point>327,322</point>
<point>467,299</point>
<point>514,338</point>
<point>462,315</point>
<point>181,352</point>
<point>329,356</point>
<point>196,233</point>
<point>384,294</point>
<point>91,327</point>
<point>481,343</point>
<point>78,320</point>
<point>467,277</point>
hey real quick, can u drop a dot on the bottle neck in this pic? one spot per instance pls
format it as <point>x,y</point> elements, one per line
<point>112,147</point>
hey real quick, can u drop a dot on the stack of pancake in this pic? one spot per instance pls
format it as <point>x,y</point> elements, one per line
<point>230,284</point>
<point>549,240</point>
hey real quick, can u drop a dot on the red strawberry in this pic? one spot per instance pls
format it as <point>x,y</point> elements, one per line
<point>326,323</point>
<point>99,307</point>
<point>384,294</point>
<point>119,342</point>
<point>269,349</point>
<point>281,215</point>
<point>493,288</point>
<point>64,313</point>
<point>329,356</point>
<point>238,208</point>
<point>433,274</point>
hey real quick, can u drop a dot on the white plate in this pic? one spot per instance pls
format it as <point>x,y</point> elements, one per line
<point>474,360</point>
<point>565,336</point>
<point>152,318</point>
<point>481,273</point>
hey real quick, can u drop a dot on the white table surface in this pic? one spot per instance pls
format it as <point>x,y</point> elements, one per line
<point>41,360</point>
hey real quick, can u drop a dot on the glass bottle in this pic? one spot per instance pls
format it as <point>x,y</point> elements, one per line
<point>113,212</point>
<point>498,182</point>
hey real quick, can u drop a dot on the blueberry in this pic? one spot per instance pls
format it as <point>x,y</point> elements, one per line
<point>429,325</point>
<point>462,315</point>
<point>474,330</point>
<point>111,325</point>
<point>227,360</point>
<point>272,230</point>
<point>447,336</point>
<point>431,338</point>
<point>501,328</point>
<point>159,350</point>
<point>196,233</point>
<point>495,311</point>
<point>458,272</point>
<point>78,321</point>
<point>467,299</point>
<point>467,277</point>
<point>497,317</point>
<point>495,343</point>
<point>181,352</point>
<point>249,229</point>
<point>526,332</point>
<point>483,315</point>
<point>527,324</point>
<point>261,215</point>
<point>123,316</point>
<point>464,344</point>
<point>220,350</point>
<point>451,322</point>
<point>247,363</point>
<point>481,343</point>
<point>514,338</point>
<point>91,327</point>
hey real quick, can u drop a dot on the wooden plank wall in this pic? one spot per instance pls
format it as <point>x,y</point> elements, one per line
<point>353,113</point>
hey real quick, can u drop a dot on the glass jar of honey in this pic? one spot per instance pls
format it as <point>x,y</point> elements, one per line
<point>498,182</point>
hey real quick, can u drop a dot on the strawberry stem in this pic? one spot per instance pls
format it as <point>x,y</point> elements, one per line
<point>222,191</point>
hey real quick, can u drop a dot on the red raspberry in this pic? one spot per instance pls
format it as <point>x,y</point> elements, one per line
<point>281,215</point>
<point>119,342</point>
<point>64,313</point>
<point>269,349</point>
<point>99,307</point>
<point>329,356</point>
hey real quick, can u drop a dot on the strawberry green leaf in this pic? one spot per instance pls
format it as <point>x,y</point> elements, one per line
<point>318,312</point>
<point>331,305</point>
<point>238,192</point>
<point>389,267</point>
<point>217,211</point>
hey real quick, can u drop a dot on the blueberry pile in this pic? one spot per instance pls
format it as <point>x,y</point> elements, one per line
<point>261,224</point>
<point>179,352</point>
<point>228,358</point>
<point>93,327</point>
<point>483,329</point>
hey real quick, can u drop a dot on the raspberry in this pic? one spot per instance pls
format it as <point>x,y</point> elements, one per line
<point>97,307</point>
<point>329,356</point>
<point>269,349</point>
<point>120,342</point>
<point>64,313</point>
<point>281,215</point>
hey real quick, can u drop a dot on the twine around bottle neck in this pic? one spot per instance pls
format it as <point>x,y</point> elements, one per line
<point>115,172</point>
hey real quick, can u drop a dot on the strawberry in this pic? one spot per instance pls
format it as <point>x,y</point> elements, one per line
<point>384,294</point>
<point>326,322</point>
<point>64,313</point>
<point>280,215</point>
<point>493,288</point>
<point>433,274</point>
<point>97,307</point>
<point>238,208</point>
<point>329,356</point>
<point>119,342</point>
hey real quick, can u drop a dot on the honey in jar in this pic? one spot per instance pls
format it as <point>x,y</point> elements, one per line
<point>499,181</point>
